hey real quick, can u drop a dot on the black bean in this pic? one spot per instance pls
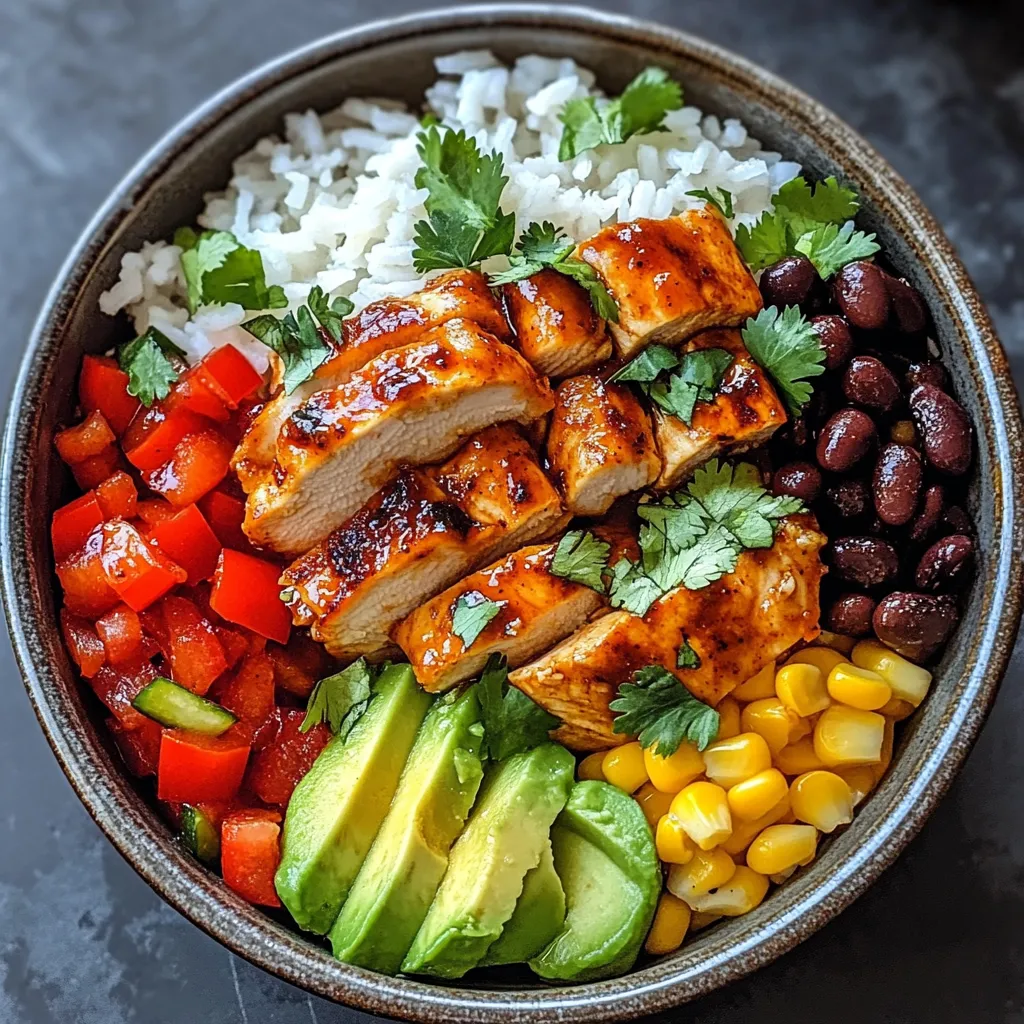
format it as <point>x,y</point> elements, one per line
<point>914,625</point>
<point>845,439</point>
<point>956,520</point>
<point>944,427</point>
<point>860,292</point>
<point>931,512</point>
<point>897,483</point>
<point>800,479</point>
<point>835,337</point>
<point>869,382</point>
<point>851,614</point>
<point>907,305</point>
<point>865,561</point>
<point>849,498</point>
<point>788,282</point>
<point>927,372</point>
<point>946,565</point>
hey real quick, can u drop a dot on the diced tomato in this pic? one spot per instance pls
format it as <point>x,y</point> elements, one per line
<point>298,666</point>
<point>193,392</point>
<point>118,687</point>
<point>228,373</point>
<point>94,470</point>
<point>73,523</point>
<point>246,592</point>
<point>194,767</point>
<point>276,770</point>
<point>200,461</point>
<point>86,439</point>
<point>103,385</point>
<point>153,511</point>
<point>249,696</point>
<point>250,852</point>
<point>121,633</point>
<point>81,575</point>
<point>217,810</point>
<point>195,653</point>
<point>86,648</point>
<point>235,645</point>
<point>137,572</point>
<point>188,540</point>
<point>139,745</point>
<point>118,496</point>
<point>225,515</point>
<point>154,434</point>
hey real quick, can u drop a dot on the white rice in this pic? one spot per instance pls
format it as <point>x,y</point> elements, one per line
<point>334,203</point>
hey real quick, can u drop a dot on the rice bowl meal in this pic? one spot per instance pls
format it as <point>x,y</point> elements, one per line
<point>517,527</point>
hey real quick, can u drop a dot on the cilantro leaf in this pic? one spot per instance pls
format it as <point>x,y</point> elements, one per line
<point>218,269</point>
<point>340,699</point>
<point>662,713</point>
<point>671,521</point>
<point>722,202</point>
<point>686,656</point>
<point>632,589</point>
<point>698,378</point>
<point>829,203</point>
<point>789,349</point>
<point>587,277</point>
<point>150,372</point>
<point>582,558</point>
<point>646,367</point>
<point>185,237</point>
<point>512,721</point>
<point>470,616</point>
<point>329,314</point>
<point>765,243</point>
<point>544,244</point>
<point>830,247</point>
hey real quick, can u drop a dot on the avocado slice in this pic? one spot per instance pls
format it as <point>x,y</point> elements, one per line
<point>394,888</point>
<point>537,919</point>
<point>605,856</point>
<point>503,840</point>
<point>338,806</point>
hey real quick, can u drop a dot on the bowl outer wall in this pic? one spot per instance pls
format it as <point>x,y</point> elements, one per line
<point>165,189</point>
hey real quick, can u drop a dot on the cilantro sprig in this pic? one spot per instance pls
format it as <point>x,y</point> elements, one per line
<point>788,348</point>
<point>218,269</point>
<point>339,700</point>
<point>470,616</point>
<point>686,656</point>
<point>512,721</point>
<point>722,202</point>
<point>582,558</point>
<point>145,360</point>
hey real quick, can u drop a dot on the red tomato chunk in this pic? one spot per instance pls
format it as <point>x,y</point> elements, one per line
<point>72,524</point>
<point>87,650</point>
<point>118,496</point>
<point>277,769</point>
<point>250,853</point>
<point>121,633</point>
<point>191,645</point>
<point>89,438</point>
<point>103,385</point>
<point>139,745</point>
<point>249,696</point>
<point>186,538</point>
<point>138,573</point>
<point>86,590</point>
<point>200,461</point>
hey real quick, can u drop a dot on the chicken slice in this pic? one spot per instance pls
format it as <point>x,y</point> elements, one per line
<point>389,323</point>
<point>736,625</point>
<point>600,445</point>
<point>555,324</point>
<point>411,405</point>
<point>671,278</point>
<point>535,610</point>
<point>745,413</point>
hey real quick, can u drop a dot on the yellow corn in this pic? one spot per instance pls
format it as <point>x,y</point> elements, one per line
<point>624,767</point>
<point>858,687</point>
<point>781,876</point>
<point>798,757</point>
<point>701,921</point>
<point>728,718</point>
<point>705,872</point>
<point>703,811</point>
<point>780,847</point>
<point>772,721</point>
<point>728,762</point>
<point>653,803</point>
<point>821,799</point>
<point>822,658</point>
<point>903,432</point>
<point>674,845</point>
<point>589,769</point>
<point>897,709</point>
<point>861,780</point>
<point>802,689</point>
<point>885,755</point>
<point>669,927</point>
<point>744,891</point>
<point>744,832</point>
<point>838,642</point>
<point>758,686</point>
<point>908,681</point>
<point>755,797</point>
<point>847,736</point>
<point>670,774</point>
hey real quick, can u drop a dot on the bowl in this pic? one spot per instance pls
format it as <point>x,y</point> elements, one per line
<point>165,189</point>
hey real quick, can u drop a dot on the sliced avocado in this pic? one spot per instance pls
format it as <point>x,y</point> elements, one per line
<point>537,919</point>
<point>606,859</point>
<point>503,840</point>
<point>337,808</point>
<point>394,888</point>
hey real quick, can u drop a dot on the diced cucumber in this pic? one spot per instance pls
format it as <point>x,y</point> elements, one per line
<point>199,834</point>
<point>172,705</point>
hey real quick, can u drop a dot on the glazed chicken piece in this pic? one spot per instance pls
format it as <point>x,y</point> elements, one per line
<point>536,610</point>
<point>745,413</point>
<point>671,278</point>
<point>600,444</point>
<point>555,324</point>
<point>411,405</point>
<point>389,323</point>
<point>736,625</point>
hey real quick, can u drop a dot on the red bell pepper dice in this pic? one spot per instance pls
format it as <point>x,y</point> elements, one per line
<point>118,496</point>
<point>196,655</point>
<point>194,767</point>
<point>200,461</point>
<point>121,633</point>
<point>187,539</point>
<point>118,686</point>
<point>250,852</point>
<point>249,696</point>
<point>137,572</point>
<point>193,392</point>
<point>85,439</point>
<point>228,373</point>
<point>139,745</point>
<point>276,770</point>
<point>94,470</point>
<point>72,524</point>
<point>84,644</point>
<point>86,590</point>
<point>246,592</point>
<point>103,385</point>
<point>225,514</point>
<point>153,435</point>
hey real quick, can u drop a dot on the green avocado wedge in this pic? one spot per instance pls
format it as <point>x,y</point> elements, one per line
<point>337,808</point>
<point>397,882</point>
<point>503,840</point>
<point>605,856</point>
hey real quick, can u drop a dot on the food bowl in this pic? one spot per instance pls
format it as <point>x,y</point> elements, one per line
<point>395,59</point>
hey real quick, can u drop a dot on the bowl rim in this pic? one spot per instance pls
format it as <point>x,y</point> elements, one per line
<point>248,932</point>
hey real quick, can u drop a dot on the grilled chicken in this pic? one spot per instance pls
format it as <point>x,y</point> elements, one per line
<point>389,323</point>
<point>600,445</point>
<point>671,278</point>
<point>411,405</point>
<point>555,324</point>
<point>745,413</point>
<point>536,610</point>
<point>736,625</point>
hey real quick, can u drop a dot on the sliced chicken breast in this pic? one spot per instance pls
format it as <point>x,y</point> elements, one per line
<point>671,278</point>
<point>555,325</point>
<point>600,444</point>
<point>411,405</point>
<point>736,625</point>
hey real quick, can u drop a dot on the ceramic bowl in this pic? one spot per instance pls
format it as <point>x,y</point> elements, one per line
<point>395,58</point>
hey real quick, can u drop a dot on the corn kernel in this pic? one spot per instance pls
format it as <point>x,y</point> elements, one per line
<point>780,847</point>
<point>758,686</point>
<point>908,681</point>
<point>897,709</point>
<point>744,891</point>
<point>802,689</point>
<point>669,927</point>
<point>822,658</point>
<point>838,642</point>
<point>756,796</point>
<point>624,767</point>
<point>798,757</point>
<point>728,762</point>
<point>847,736</point>
<point>674,845</point>
<point>703,811</point>
<point>670,774</point>
<point>821,799</point>
<point>781,876</point>
<point>858,687</point>
<point>903,432</point>
<point>772,721</point>
<point>705,872</point>
<point>728,718</point>
<point>744,832</point>
<point>653,803</point>
<point>589,769</point>
<point>885,755</point>
<point>700,921</point>
<point>861,780</point>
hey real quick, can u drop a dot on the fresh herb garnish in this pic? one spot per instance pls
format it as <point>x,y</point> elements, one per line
<point>470,616</point>
<point>686,656</point>
<point>340,700</point>
<point>788,348</point>
<point>582,558</point>
<point>722,202</point>
<point>662,713</point>
<point>512,721</point>
<point>830,247</point>
<point>219,269</point>
<point>639,110</point>
<point>329,314</point>
<point>150,372</point>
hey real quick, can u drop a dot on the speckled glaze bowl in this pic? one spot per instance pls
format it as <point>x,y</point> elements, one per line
<point>165,189</point>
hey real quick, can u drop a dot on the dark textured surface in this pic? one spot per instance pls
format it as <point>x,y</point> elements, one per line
<point>86,86</point>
